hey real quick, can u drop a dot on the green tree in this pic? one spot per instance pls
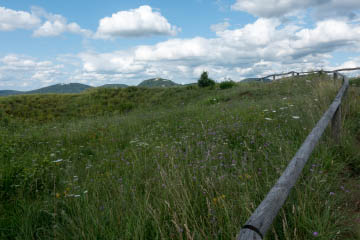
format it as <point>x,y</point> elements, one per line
<point>205,81</point>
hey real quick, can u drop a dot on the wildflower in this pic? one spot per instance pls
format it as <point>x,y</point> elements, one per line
<point>265,110</point>
<point>315,234</point>
<point>295,117</point>
<point>218,199</point>
<point>57,161</point>
<point>268,119</point>
<point>274,111</point>
<point>76,196</point>
<point>86,191</point>
<point>284,98</point>
<point>57,195</point>
<point>52,155</point>
<point>332,193</point>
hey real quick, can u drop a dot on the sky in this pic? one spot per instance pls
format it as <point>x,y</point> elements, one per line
<point>46,42</point>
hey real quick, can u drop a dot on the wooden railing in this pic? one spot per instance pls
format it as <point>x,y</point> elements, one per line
<point>293,73</point>
<point>260,221</point>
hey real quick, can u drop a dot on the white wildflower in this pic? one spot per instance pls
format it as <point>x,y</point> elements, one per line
<point>295,117</point>
<point>269,119</point>
<point>57,161</point>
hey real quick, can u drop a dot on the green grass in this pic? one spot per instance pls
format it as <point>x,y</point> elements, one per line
<point>177,163</point>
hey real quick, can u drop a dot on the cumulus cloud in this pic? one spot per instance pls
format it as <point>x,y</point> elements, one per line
<point>19,72</point>
<point>142,21</point>
<point>43,23</point>
<point>274,48</point>
<point>56,25</point>
<point>322,8</point>
<point>12,20</point>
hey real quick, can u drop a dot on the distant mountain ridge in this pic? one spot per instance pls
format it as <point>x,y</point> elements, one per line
<point>10,92</point>
<point>157,82</point>
<point>78,87</point>
<point>61,88</point>
<point>57,88</point>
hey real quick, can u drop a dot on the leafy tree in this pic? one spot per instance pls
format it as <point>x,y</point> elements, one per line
<point>205,81</point>
<point>227,84</point>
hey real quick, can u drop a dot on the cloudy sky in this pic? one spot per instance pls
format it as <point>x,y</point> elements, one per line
<point>46,42</point>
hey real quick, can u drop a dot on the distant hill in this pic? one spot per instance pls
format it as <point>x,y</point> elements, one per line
<point>57,88</point>
<point>114,86</point>
<point>157,82</point>
<point>256,80</point>
<point>62,88</point>
<point>10,92</point>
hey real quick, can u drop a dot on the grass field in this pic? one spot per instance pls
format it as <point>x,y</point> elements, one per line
<point>175,163</point>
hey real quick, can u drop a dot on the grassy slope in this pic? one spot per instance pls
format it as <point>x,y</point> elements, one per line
<point>183,163</point>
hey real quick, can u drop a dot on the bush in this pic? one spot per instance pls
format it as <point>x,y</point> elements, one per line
<point>227,84</point>
<point>205,81</point>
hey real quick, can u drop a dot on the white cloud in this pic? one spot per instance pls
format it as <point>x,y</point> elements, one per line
<point>44,24</point>
<point>20,72</point>
<point>279,8</point>
<point>12,20</point>
<point>219,27</point>
<point>257,49</point>
<point>142,21</point>
<point>57,25</point>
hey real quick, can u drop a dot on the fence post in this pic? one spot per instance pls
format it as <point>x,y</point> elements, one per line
<point>336,75</point>
<point>274,78</point>
<point>336,126</point>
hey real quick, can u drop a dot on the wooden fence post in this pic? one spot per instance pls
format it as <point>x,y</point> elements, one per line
<point>336,75</point>
<point>336,126</point>
<point>274,78</point>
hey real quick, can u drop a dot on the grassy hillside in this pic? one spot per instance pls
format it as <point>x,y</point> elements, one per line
<point>175,163</point>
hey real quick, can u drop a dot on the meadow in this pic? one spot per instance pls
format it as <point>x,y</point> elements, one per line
<point>176,163</point>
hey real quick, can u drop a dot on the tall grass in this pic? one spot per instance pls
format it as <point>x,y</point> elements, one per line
<point>184,163</point>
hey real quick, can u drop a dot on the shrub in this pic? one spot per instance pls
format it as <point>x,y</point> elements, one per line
<point>205,81</point>
<point>227,84</point>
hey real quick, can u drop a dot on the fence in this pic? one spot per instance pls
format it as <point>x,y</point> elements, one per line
<point>260,221</point>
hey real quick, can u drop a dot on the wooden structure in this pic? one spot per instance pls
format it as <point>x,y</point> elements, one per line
<point>260,221</point>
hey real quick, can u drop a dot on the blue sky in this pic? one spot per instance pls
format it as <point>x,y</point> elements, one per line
<point>100,42</point>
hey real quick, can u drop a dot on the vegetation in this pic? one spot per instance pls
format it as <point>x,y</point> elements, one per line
<point>174,163</point>
<point>114,86</point>
<point>205,81</point>
<point>355,82</point>
<point>227,84</point>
